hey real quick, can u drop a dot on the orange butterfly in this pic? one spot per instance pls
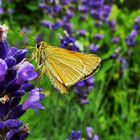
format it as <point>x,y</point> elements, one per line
<point>64,67</point>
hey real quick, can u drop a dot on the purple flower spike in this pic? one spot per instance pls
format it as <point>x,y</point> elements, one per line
<point>115,40</point>
<point>130,40</point>
<point>89,132</point>
<point>33,100</point>
<point>3,69</point>
<point>96,137</point>
<point>25,73</point>
<point>81,32</point>
<point>137,24</point>
<point>83,88</point>
<point>98,36</point>
<point>15,75</point>
<point>94,48</point>
<point>124,63</point>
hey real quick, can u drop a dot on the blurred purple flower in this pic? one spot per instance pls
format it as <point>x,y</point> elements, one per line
<point>115,40</point>
<point>116,54</point>
<point>10,11</point>
<point>98,36</point>
<point>47,24</point>
<point>77,135</point>
<point>1,10</point>
<point>130,40</point>
<point>106,9</point>
<point>83,88</point>
<point>112,25</point>
<point>13,69</point>
<point>93,48</point>
<point>96,14</point>
<point>83,8</point>
<point>124,63</point>
<point>96,137</point>
<point>42,5</point>
<point>137,24</point>
<point>89,132</point>
<point>81,32</point>
<point>90,135</point>
<point>33,100</point>
<point>69,43</point>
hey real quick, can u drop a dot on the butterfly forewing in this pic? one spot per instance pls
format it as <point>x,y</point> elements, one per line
<point>69,67</point>
<point>91,63</point>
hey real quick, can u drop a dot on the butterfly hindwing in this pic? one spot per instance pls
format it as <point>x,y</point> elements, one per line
<point>56,82</point>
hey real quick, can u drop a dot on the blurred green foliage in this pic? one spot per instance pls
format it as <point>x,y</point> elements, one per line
<point>114,106</point>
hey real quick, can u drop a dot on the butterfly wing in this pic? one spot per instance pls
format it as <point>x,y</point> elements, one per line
<point>55,81</point>
<point>65,68</point>
<point>72,66</point>
<point>69,68</point>
<point>91,63</point>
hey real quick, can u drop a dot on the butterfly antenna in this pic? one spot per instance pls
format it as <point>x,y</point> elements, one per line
<point>22,33</point>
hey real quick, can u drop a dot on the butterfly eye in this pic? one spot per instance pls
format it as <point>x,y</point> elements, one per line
<point>38,45</point>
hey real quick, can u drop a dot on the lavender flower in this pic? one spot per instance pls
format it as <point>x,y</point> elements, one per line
<point>112,25</point>
<point>94,48</point>
<point>137,24</point>
<point>116,53</point>
<point>98,36</point>
<point>124,63</point>
<point>33,100</point>
<point>1,9</point>
<point>15,74</point>
<point>115,40</point>
<point>69,43</point>
<point>77,135</point>
<point>81,32</point>
<point>61,12</point>
<point>83,88</point>
<point>130,40</point>
<point>90,135</point>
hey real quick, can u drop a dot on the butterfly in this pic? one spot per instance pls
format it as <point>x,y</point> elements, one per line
<point>64,67</point>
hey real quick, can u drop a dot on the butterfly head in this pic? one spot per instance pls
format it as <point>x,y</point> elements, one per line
<point>40,45</point>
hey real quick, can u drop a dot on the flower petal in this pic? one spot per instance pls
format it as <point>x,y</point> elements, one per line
<point>25,73</point>
<point>33,100</point>
<point>3,69</point>
<point>12,123</point>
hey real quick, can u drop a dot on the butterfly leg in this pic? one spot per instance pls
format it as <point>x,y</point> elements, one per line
<point>40,77</point>
<point>42,72</point>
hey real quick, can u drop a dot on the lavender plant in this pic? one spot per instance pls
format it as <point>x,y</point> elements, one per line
<point>15,76</point>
